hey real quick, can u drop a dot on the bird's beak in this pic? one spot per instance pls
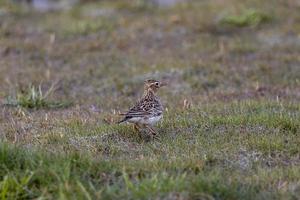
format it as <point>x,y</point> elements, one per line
<point>163,83</point>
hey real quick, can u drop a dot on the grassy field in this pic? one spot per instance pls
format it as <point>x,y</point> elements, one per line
<point>231,128</point>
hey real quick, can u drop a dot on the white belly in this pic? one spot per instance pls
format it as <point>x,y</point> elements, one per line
<point>145,120</point>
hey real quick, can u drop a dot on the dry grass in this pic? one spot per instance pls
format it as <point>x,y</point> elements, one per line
<point>232,123</point>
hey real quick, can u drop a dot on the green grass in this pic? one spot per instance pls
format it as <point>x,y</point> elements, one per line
<point>232,120</point>
<point>233,151</point>
<point>80,175</point>
<point>34,98</point>
<point>249,17</point>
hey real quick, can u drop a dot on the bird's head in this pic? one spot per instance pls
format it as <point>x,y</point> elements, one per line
<point>151,85</point>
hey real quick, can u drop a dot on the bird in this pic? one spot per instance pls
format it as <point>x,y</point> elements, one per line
<point>148,110</point>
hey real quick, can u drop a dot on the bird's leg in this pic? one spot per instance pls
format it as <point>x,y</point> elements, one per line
<point>151,130</point>
<point>136,127</point>
<point>153,133</point>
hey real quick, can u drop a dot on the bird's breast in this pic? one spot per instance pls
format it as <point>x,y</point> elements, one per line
<point>146,120</point>
<point>155,119</point>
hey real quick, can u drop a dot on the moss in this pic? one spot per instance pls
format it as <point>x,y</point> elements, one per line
<point>250,17</point>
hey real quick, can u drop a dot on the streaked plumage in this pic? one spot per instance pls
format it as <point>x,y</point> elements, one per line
<point>148,110</point>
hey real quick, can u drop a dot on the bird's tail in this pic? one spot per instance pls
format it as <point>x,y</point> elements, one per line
<point>123,120</point>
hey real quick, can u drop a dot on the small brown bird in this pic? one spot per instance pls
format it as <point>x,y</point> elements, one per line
<point>148,110</point>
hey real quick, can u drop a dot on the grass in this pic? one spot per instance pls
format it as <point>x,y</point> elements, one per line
<point>249,17</point>
<point>34,98</point>
<point>221,152</point>
<point>80,175</point>
<point>232,119</point>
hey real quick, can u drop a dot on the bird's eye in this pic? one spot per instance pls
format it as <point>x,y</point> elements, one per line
<point>156,84</point>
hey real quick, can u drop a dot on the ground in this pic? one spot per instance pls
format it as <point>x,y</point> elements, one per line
<point>232,121</point>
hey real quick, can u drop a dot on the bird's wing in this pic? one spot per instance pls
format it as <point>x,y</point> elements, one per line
<point>144,108</point>
<point>139,110</point>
